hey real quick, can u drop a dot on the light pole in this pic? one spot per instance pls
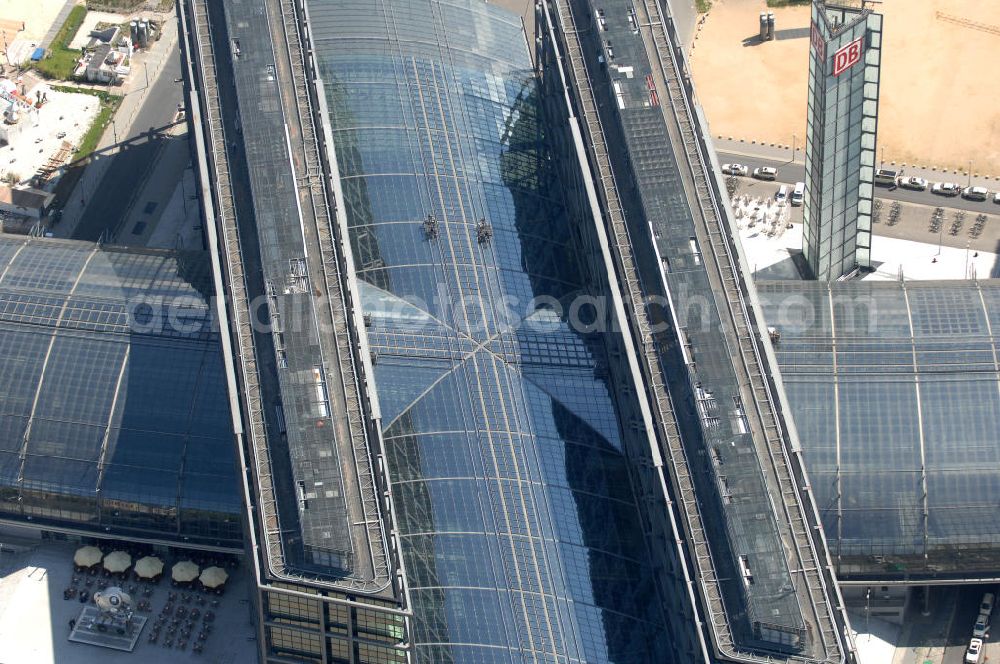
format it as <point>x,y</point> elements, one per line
<point>970,173</point>
<point>83,191</point>
<point>881,159</point>
<point>145,68</point>
<point>184,193</point>
<point>868,607</point>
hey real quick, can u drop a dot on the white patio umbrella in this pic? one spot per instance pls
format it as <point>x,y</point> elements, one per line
<point>213,577</point>
<point>87,556</point>
<point>149,567</point>
<point>184,572</point>
<point>117,562</point>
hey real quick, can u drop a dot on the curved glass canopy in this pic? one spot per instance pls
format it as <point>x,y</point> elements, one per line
<point>895,392</point>
<point>520,531</point>
<point>113,408</point>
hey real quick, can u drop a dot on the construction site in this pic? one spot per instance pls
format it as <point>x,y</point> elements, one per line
<point>934,51</point>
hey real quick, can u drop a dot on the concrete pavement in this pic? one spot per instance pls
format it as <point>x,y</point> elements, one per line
<point>57,24</point>
<point>145,214</point>
<point>143,106</point>
<point>686,19</point>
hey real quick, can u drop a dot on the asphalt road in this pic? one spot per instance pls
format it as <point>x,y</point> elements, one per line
<point>790,173</point>
<point>107,208</point>
<point>961,626</point>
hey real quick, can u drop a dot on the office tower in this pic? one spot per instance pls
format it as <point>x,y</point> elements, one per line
<point>845,48</point>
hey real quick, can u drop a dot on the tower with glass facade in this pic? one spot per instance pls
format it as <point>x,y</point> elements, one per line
<point>842,121</point>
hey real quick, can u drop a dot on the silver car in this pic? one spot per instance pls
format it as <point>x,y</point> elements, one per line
<point>946,189</point>
<point>914,183</point>
<point>765,173</point>
<point>982,624</point>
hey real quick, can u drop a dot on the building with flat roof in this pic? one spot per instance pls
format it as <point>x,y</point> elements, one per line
<point>25,201</point>
<point>736,480</point>
<point>845,48</point>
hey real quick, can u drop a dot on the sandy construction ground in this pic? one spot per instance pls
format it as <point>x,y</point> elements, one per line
<point>938,106</point>
<point>38,15</point>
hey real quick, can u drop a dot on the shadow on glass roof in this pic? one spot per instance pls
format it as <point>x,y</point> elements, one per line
<point>114,417</point>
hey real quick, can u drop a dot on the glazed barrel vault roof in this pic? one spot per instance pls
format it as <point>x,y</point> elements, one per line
<point>510,484</point>
<point>895,391</point>
<point>113,408</point>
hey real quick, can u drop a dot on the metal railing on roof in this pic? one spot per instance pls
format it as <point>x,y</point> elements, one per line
<point>315,181</point>
<point>226,211</point>
<point>338,298</point>
<point>747,330</point>
<point>726,264</point>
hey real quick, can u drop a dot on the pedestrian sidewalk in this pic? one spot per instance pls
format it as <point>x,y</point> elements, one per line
<point>771,151</point>
<point>133,92</point>
<point>783,153</point>
<point>57,24</point>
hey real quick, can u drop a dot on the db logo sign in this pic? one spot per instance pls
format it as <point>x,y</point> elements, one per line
<point>847,56</point>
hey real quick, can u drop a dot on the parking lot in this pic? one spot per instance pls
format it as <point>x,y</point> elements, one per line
<point>790,172</point>
<point>918,216</point>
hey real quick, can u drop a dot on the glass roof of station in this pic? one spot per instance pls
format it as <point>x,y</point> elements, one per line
<point>895,391</point>
<point>511,487</point>
<point>113,407</point>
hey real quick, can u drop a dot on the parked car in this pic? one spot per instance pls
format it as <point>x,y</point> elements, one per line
<point>765,173</point>
<point>946,189</point>
<point>914,183</point>
<point>982,624</point>
<point>986,606</point>
<point>781,196</point>
<point>974,651</point>
<point>735,169</point>
<point>975,193</point>
<point>996,198</point>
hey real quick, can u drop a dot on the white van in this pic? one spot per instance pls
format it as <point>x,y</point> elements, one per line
<point>799,195</point>
<point>986,605</point>
<point>782,196</point>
